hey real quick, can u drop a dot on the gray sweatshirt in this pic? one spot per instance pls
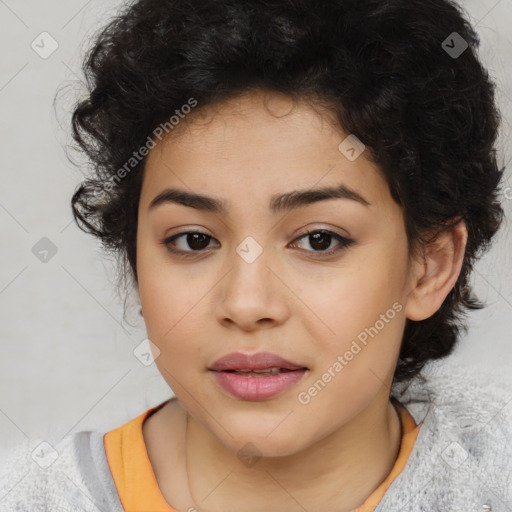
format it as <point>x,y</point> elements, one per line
<point>460,462</point>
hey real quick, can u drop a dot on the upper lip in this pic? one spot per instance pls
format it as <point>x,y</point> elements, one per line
<point>258,361</point>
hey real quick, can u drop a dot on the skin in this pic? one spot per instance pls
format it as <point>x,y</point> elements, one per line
<point>333,452</point>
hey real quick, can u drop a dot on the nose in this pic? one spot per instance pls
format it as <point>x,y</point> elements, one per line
<point>251,296</point>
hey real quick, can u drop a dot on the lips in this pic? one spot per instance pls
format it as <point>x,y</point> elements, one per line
<point>240,362</point>
<point>256,377</point>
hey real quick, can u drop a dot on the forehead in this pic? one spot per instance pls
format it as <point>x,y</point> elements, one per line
<point>255,147</point>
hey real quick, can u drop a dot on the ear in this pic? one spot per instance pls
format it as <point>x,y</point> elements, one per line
<point>435,274</point>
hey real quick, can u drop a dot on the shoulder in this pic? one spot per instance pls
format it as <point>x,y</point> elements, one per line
<point>21,485</point>
<point>71,476</point>
<point>461,396</point>
<point>463,451</point>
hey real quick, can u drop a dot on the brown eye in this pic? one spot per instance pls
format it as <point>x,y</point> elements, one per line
<point>320,241</point>
<point>193,243</point>
<point>194,240</point>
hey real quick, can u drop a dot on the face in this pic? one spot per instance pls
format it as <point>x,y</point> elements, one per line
<point>323,285</point>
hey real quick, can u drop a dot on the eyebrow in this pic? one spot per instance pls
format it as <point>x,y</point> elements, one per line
<point>279,203</point>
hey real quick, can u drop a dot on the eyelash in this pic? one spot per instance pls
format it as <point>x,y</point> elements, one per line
<point>344,243</point>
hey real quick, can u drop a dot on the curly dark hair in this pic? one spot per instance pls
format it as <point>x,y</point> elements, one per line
<point>428,117</point>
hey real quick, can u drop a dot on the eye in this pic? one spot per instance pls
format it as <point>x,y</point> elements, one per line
<point>321,240</point>
<point>195,239</point>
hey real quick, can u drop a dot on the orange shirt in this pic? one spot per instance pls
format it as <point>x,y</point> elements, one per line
<point>137,485</point>
<point>410,432</point>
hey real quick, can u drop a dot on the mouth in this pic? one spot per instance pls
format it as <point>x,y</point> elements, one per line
<point>256,377</point>
<point>261,363</point>
<point>257,385</point>
<point>266,372</point>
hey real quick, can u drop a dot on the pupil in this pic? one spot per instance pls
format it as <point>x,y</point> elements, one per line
<point>192,240</point>
<point>321,236</point>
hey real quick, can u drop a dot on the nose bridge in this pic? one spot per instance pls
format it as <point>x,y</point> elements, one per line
<point>251,265</point>
<point>250,290</point>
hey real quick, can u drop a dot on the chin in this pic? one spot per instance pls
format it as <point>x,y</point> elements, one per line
<point>252,440</point>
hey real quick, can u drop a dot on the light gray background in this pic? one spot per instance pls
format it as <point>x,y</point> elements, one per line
<point>67,361</point>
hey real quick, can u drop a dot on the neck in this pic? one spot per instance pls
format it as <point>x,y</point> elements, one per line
<point>336,474</point>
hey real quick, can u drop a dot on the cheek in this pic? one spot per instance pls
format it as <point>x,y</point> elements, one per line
<point>356,294</point>
<point>171,325</point>
<point>362,311</point>
<point>173,315</point>
<point>169,306</point>
<point>162,291</point>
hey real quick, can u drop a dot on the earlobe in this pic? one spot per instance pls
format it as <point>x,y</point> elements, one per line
<point>437,274</point>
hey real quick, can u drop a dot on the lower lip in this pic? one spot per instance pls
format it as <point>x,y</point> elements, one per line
<point>257,388</point>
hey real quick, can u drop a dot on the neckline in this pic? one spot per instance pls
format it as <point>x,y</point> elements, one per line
<point>138,487</point>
